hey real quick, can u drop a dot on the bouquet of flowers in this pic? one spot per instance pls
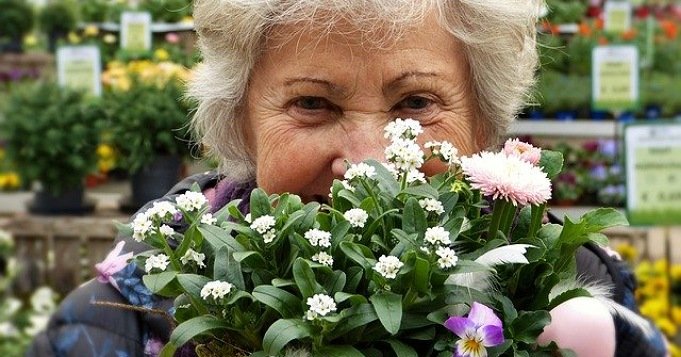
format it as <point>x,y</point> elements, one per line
<point>396,264</point>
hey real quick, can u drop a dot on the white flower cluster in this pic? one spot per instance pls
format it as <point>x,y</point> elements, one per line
<point>323,258</point>
<point>216,289</point>
<point>208,219</point>
<point>193,256</point>
<point>320,305</point>
<point>318,238</point>
<point>432,205</point>
<point>162,211</point>
<point>265,226</point>
<point>437,236</point>
<point>6,239</point>
<point>357,217</point>
<point>159,261</point>
<point>360,170</point>
<point>446,257</point>
<point>405,154</point>
<point>407,128</point>
<point>444,150</point>
<point>437,239</point>
<point>388,266</point>
<point>141,225</point>
<point>166,231</point>
<point>191,201</point>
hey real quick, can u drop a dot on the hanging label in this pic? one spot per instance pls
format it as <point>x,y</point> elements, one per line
<point>617,16</point>
<point>615,78</point>
<point>79,67</point>
<point>136,31</point>
<point>653,172</point>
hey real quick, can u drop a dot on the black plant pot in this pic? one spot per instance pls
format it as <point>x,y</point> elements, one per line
<point>70,201</point>
<point>153,181</point>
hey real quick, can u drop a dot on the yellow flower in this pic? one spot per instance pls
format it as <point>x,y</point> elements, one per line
<point>161,54</point>
<point>105,151</point>
<point>30,40</point>
<point>676,314</point>
<point>110,39</point>
<point>674,350</point>
<point>457,186</point>
<point>655,308</point>
<point>676,272</point>
<point>660,266</point>
<point>627,251</point>
<point>91,31</point>
<point>105,165</point>
<point>666,326</point>
<point>74,38</point>
<point>13,180</point>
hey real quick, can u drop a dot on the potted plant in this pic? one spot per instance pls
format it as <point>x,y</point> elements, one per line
<point>57,19</point>
<point>167,10</point>
<point>52,134</point>
<point>148,130</point>
<point>16,20</point>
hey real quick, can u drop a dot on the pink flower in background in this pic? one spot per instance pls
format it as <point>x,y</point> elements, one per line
<point>112,264</point>
<point>153,347</point>
<point>172,37</point>
<point>525,151</point>
<point>481,329</point>
<point>507,177</point>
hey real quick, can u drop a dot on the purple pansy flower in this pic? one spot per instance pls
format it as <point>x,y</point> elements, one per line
<point>112,264</point>
<point>481,329</point>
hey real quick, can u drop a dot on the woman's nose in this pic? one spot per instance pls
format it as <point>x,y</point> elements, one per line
<point>361,143</point>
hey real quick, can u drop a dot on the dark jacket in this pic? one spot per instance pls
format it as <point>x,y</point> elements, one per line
<point>83,327</point>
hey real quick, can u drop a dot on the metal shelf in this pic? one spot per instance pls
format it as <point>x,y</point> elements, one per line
<point>575,128</point>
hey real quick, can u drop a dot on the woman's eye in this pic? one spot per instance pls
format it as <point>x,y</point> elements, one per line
<point>312,103</point>
<point>415,103</point>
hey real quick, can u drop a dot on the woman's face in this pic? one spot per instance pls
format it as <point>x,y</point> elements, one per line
<point>314,102</point>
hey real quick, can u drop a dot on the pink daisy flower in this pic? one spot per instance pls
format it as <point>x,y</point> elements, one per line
<point>507,177</point>
<point>525,151</point>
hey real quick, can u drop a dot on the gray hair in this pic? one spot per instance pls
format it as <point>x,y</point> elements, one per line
<point>498,37</point>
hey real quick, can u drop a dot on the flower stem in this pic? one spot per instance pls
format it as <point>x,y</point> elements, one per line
<point>171,254</point>
<point>535,220</point>
<point>497,212</point>
<point>507,218</point>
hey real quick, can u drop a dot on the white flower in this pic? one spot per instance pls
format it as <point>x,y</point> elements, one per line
<point>360,170</point>
<point>392,169</point>
<point>357,217</point>
<point>407,128</point>
<point>406,155</point>
<point>7,329</point>
<point>140,226</point>
<point>347,185</point>
<point>161,210</point>
<point>263,224</point>
<point>388,266</point>
<point>248,218</point>
<point>38,322</point>
<point>42,300</point>
<point>437,236</point>
<point>323,258</point>
<point>432,205</point>
<point>191,201</point>
<point>447,257</point>
<point>444,150</point>
<point>166,230</point>
<point>318,238</point>
<point>6,239</point>
<point>159,261</point>
<point>269,236</point>
<point>320,304</point>
<point>208,219</point>
<point>192,255</point>
<point>416,176</point>
<point>216,289</point>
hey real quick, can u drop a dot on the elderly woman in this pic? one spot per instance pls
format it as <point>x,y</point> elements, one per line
<point>289,91</point>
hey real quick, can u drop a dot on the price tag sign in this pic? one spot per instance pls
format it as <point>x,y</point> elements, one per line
<point>653,172</point>
<point>615,78</point>
<point>136,31</point>
<point>80,67</point>
<point>617,16</point>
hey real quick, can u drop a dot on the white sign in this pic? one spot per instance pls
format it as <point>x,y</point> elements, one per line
<point>80,67</point>
<point>617,16</point>
<point>136,31</point>
<point>615,77</point>
<point>653,171</point>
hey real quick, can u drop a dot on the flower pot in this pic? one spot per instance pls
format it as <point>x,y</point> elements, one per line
<point>153,181</point>
<point>70,201</point>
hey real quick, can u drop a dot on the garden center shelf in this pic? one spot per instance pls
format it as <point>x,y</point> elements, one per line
<point>572,128</point>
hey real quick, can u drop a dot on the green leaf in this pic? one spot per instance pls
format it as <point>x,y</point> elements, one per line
<point>157,282</point>
<point>338,233</point>
<point>567,295</point>
<point>283,283</point>
<point>401,349</point>
<point>354,317</point>
<point>388,307</point>
<point>282,301</point>
<point>339,351</point>
<point>305,278</point>
<point>603,218</point>
<point>414,217</point>
<point>355,299</point>
<point>281,332</point>
<point>422,275</point>
<point>425,191</point>
<point>189,329</point>
<point>386,180</point>
<point>260,204</point>
<point>551,162</point>
<point>218,238</point>
<point>334,282</point>
<point>192,283</point>
<point>226,268</point>
<point>527,327</point>
<point>354,274</point>
<point>360,254</point>
<point>250,259</point>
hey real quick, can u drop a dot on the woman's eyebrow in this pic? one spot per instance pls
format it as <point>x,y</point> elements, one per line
<point>404,77</point>
<point>334,89</point>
